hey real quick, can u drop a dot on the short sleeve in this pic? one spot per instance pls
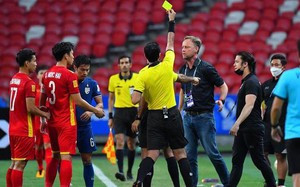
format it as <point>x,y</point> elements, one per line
<point>280,88</point>
<point>175,77</point>
<point>30,88</point>
<point>251,88</point>
<point>213,76</point>
<point>110,85</point>
<point>73,83</point>
<point>139,84</point>
<point>96,89</point>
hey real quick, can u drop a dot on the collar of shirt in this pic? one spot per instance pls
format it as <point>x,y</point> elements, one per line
<point>125,78</point>
<point>153,64</point>
<point>247,77</point>
<point>81,81</point>
<point>196,63</point>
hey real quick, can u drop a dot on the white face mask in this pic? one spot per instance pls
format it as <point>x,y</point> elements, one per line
<point>276,71</point>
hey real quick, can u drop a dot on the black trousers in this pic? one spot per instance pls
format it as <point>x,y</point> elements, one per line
<point>252,142</point>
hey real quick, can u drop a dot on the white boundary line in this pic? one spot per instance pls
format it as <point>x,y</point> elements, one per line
<point>100,175</point>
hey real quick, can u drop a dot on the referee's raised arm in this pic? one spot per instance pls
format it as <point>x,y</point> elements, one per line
<point>171,30</point>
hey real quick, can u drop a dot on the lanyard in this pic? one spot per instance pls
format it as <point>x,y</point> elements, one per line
<point>193,76</point>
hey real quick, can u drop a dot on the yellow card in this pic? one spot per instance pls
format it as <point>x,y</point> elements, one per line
<point>166,5</point>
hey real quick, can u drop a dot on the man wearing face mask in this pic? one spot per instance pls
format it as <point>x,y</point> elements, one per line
<point>278,62</point>
<point>248,130</point>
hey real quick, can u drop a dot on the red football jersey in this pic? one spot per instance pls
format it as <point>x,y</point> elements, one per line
<point>37,103</point>
<point>58,84</point>
<point>20,120</point>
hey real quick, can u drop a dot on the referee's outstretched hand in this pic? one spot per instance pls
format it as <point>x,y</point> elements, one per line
<point>172,14</point>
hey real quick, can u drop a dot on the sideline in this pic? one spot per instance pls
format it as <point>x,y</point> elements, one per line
<point>100,175</point>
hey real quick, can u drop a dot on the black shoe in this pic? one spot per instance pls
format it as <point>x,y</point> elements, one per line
<point>137,184</point>
<point>129,176</point>
<point>120,176</point>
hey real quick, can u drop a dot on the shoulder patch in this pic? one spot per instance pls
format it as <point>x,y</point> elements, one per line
<point>75,83</point>
<point>33,88</point>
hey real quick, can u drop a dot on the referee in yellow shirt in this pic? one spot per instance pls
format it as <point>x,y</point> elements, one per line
<point>120,88</point>
<point>164,121</point>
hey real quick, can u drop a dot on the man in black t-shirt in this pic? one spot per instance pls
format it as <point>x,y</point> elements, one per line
<point>248,130</point>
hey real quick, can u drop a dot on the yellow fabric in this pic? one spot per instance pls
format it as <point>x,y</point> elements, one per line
<point>109,149</point>
<point>30,125</point>
<point>157,83</point>
<point>263,105</point>
<point>72,113</point>
<point>175,77</point>
<point>122,90</point>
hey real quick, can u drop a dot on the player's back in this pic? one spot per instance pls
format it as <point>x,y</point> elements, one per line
<point>21,122</point>
<point>59,83</point>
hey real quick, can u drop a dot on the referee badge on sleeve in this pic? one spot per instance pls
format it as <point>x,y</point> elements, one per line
<point>131,89</point>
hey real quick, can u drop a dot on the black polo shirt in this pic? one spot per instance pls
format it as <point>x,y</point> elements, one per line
<point>268,97</point>
<point>250,85</point>
<point>203,93</point>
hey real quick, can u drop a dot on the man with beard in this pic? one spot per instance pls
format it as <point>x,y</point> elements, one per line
<point>120,88</point>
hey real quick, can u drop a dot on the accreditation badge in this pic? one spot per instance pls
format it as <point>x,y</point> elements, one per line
<point>189,99</point>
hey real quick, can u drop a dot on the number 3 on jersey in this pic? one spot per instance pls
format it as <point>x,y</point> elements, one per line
<point>52,99</point>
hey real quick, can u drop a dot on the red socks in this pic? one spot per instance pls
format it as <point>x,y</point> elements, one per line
<point>17,178</point>
<point>65,174</point>
<point>8,178</point>
<point>51,171</point>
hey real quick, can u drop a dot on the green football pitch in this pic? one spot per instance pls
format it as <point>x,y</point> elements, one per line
<point>251,175</point>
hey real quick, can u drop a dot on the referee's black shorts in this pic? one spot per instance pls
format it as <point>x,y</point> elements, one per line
<point>143,130</point>
<point>123,119</point>
<point>162,132</point>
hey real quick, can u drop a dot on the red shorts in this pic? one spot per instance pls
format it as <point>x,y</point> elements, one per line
<point>63,139</point>
<point>21,147</point>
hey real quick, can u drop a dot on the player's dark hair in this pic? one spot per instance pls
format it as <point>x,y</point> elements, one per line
<point>248,57</point>
<point>124,56</point>
<point>152,51</point>
<point>280,57</point>
<point>24,55</point>
<point>82,59</point>
<point>60,49</point>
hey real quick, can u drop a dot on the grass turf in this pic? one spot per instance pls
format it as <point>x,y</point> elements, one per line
<point>251,175</point>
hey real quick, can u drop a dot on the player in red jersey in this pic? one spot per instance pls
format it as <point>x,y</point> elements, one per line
<point>22,109</point>
<point>60,86</point>
<point>42,141</point>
